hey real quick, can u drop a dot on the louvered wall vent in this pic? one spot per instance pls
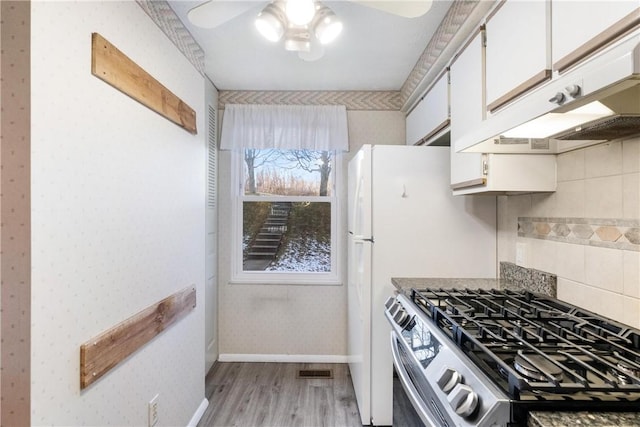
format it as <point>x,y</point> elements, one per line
<point>315,373</point>
<point>212,160</point>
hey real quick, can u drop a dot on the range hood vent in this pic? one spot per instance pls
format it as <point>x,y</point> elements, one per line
<point>607,129</point>
<point>623,121</point>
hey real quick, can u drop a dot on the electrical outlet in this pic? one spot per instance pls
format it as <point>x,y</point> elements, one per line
<point>153,411</point>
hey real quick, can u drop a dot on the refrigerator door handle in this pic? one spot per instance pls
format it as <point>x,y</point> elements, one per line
<point>361,238</point>
<point>356,196</point>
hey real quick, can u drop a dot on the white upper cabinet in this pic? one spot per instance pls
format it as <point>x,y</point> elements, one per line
<point>518,54</point>
<point>430,117</point>
<point>487,173</point>
<point>467,88</point>
<point>467,110</point>
<point>582,28</point>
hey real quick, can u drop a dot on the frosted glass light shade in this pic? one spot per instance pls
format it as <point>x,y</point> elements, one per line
<point>328,29</point>
<point>269,24</point>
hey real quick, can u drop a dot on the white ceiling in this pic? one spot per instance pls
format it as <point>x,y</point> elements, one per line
<point>376,50</point>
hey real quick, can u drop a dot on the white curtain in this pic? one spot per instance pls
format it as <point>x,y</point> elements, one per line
<point>286,127</point>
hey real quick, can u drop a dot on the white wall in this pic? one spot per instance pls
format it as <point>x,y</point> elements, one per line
<point>257,321</point>
<point>598,268</point>
<point>117,219</point>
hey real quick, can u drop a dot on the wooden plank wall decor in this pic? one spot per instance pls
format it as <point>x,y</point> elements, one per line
<point>103,352</point>
<point>115,68</point>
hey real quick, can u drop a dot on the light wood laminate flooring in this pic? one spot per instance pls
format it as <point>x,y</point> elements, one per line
<point>270,395</point>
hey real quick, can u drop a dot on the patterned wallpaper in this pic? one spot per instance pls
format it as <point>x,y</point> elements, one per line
<point>117,219</point>
<point>15,201</point>
<point>249,312</point>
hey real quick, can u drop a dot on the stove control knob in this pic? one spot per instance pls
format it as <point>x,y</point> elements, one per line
<point>448,379</point>
<point>558,98</point>
<point>463,400</point>
<point>394,309</point>
<point>401,317</point>
<point>573,90</point>
<point>390,301</point>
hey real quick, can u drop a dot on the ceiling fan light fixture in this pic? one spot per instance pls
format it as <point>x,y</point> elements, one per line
<point>270,23</point>
<point>298,40</point>
<point>300,12</point>
<point>302,23</point>
<point>328,27</point>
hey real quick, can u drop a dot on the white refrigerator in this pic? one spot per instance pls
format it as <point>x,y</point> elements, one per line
<point>404,222</point>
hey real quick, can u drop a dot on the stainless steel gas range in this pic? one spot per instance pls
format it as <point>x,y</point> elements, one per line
<point>488,357</point>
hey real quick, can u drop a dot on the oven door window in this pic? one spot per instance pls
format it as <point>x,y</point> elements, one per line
<point>424,345</point>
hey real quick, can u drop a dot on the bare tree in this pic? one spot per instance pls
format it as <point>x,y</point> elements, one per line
<point>314,161</point>
<point>254,158</point>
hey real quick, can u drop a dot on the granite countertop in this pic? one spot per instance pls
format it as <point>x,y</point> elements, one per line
<point>539,284</point>
<point>405,283</point>
<point>512,277</point>
<point>590,419</point>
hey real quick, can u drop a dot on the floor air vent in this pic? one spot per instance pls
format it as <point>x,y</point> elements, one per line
<point>315,373</point>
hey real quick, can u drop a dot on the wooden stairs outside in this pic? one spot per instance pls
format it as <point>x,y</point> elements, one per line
<point>269,239</point>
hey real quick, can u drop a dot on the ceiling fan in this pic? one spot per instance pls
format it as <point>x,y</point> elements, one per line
<point>306,25</point>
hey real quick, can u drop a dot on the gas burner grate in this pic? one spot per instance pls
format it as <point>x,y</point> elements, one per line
<point>530,343</point>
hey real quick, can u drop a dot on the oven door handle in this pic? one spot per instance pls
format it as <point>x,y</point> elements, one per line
<point>412,393</point>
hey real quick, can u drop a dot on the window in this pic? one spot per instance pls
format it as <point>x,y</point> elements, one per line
<point>285,216</point>
<point>285,187</point>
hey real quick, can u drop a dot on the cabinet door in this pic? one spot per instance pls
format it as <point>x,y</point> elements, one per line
<point>518,54</point>
<point>467,109</point>
<point>431,115</point>
<point>515,173</point>
<point>581,28</point>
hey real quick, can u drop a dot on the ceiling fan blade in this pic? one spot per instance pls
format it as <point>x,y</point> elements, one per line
<point>406,9</point>
<point>214,13</point>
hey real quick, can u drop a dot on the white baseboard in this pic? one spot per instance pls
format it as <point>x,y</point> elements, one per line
<point>193,422</point>
<point>283,358</point>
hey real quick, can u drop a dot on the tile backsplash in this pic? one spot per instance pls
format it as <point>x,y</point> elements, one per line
<point>587,232</point>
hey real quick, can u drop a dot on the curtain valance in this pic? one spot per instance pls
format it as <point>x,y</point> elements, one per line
<point>286,127</point>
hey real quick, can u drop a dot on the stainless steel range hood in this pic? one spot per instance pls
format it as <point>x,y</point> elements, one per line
<point>596,102</point>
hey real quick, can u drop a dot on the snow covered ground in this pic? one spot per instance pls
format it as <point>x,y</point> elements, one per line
<point>304,255</point>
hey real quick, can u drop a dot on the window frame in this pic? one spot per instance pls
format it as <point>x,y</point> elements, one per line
<point>238,274</point>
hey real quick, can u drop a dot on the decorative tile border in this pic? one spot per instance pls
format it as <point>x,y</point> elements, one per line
<point>529,278</point>
<point>166,19</point>
<point>353,100</point>
<point>621,234</point>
